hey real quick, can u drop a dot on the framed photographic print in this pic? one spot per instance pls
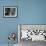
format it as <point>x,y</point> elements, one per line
<point>10,11</point>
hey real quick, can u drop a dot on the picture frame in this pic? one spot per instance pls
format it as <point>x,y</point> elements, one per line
<point>9,11</point>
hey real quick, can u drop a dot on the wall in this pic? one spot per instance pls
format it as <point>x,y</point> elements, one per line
<point>29,12</point>
<point>32,11</point>
<point>7,25</point>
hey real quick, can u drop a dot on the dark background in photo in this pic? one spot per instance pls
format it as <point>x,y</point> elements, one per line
<point>9,11</point>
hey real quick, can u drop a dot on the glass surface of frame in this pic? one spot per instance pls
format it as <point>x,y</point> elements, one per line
<point>10,11</point>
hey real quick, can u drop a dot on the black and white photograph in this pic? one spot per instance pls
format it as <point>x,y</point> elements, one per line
<point>10,11</point>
